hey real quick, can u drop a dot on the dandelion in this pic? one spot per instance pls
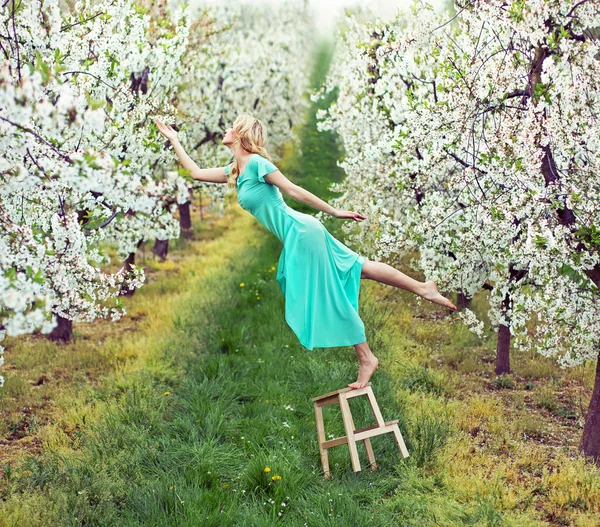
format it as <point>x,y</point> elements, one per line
<point>167,393</point>
<point>242,284</point>
<point>276,477</point>
<point>267,469</point>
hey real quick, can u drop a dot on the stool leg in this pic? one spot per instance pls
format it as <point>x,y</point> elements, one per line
<point>375,407</point>
<point>370,454</point>
<point>321,436</point>
<point>368,448</point>
<point>400,441</point>
<point>347,417</point>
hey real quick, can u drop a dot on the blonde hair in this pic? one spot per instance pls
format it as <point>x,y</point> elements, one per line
<point>252,136</point>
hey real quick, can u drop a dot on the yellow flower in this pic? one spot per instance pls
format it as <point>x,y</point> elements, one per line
<point>258,298</point>
<point>242,284</point>
<point>276,477</point>
<point>167,393</point>
<point>225,485</point>
<point>267,469</point>
<point>273,268</point>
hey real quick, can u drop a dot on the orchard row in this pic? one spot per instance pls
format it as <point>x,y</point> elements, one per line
<point>473,140</point>
<point>83,164</point>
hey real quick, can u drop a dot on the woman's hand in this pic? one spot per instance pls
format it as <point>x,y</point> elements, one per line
<point>166,130</point>
<point>348,214</point>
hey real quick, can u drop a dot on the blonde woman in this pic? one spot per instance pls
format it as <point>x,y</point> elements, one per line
<point>318,275</point>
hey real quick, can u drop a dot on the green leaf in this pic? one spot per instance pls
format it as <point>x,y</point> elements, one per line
<point>140,10</point>
<point>42,67</point>
<point>90,159</point>
<point>576,276</point>
<point>540,241</point>
<point>38,278</point>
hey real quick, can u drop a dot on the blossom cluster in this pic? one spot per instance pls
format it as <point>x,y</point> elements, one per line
<point>474,141</point>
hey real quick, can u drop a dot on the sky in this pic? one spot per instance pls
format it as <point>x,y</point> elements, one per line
<point>327,10</point>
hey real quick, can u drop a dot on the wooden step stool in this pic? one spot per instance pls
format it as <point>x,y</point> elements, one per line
<point>352,436</point>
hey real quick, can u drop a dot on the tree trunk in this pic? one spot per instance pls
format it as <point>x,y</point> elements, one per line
<point>503,346</point>
<point>63,331</point>
<point>161,249</point>
<point>185,220</point>
<point>462,301</point>
<point>200,205</point>
<point>129,263</point>
<point>590,442</point>
<point>503,350</point>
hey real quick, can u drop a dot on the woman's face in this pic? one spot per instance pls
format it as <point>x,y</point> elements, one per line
<point>230,136</point>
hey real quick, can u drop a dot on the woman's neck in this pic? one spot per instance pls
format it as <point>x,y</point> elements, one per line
<point>240,154</point>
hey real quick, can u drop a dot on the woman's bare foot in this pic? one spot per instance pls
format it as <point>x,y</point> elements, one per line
<point>433,295</point>
<point>367,367</point>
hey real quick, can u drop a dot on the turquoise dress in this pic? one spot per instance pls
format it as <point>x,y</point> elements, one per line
<point>318,275</point>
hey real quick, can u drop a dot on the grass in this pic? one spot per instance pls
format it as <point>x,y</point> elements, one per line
<point>172,415</point>
<point>184,435</point>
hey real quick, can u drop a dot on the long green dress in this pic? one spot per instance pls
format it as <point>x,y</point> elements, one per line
<point>318,275</point>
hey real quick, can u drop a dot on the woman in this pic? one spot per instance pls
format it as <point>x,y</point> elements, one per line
<point>318,275</point>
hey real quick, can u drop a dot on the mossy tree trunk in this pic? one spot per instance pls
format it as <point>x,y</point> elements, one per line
<point>590,441</point>
<point>63,332</point>
<point>161,249</point>
<point>185,221</point>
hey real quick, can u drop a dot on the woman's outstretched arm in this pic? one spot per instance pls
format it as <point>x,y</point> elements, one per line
<point>302,195</point>
<point>212,175</point>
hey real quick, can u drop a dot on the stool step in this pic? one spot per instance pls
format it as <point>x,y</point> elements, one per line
<point>378,430</point>
<point>372,431</point>
<point>343,390</point>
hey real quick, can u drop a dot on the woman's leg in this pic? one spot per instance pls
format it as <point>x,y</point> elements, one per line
<point>368,364</point>
<point>386,274</point>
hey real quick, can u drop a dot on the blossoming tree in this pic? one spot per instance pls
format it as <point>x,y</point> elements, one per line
<point>477,143</point>
<point>238,64</point>
<point>83,163</point>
